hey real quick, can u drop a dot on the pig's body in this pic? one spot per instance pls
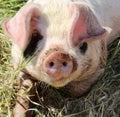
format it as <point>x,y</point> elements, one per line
<point>66,40</point>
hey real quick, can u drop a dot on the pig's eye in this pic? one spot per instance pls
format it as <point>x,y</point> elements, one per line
<point>83,47</point>
<point>35,38</point>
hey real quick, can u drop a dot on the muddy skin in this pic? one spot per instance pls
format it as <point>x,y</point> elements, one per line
<point>33,91</point>
<point>25,94</point>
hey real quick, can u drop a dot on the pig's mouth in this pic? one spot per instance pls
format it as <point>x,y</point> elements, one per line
<point>60,83</point>
<point>57,81</point>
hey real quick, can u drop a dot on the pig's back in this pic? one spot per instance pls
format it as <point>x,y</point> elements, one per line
<point>108,14</point>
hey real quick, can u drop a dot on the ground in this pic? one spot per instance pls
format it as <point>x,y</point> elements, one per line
<point>103,99</point>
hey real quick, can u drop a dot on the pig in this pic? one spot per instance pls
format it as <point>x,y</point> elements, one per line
<point>64,43</point>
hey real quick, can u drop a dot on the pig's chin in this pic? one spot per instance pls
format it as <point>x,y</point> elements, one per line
<point>55,82</point>
<point>50,80</point>
<point>59,83</point>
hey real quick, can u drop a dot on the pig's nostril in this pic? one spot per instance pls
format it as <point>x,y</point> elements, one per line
<point>64,64</point>
<point>51,64</point>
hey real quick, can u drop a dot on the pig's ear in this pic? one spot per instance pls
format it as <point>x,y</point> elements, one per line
<point>19,27</point>
<point>85,26</point>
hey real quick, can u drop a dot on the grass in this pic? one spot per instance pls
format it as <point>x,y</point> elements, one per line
<point>103,100</point>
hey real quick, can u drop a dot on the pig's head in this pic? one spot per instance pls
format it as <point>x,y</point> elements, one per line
<point>62,38</point>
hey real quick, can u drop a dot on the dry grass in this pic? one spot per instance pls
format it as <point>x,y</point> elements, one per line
<point>103,100</point>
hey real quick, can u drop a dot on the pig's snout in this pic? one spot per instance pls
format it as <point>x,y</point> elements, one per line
<point>58,65</point>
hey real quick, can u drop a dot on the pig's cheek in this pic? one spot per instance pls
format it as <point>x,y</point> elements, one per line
<point>34,71</point>
<point>77,73</point>
<point>16,56</point>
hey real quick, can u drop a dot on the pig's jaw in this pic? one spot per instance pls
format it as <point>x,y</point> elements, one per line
<point>58,83</point>
<point>42,76</point>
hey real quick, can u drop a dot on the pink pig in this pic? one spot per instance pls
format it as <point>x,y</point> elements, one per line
<point>66,42</point>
